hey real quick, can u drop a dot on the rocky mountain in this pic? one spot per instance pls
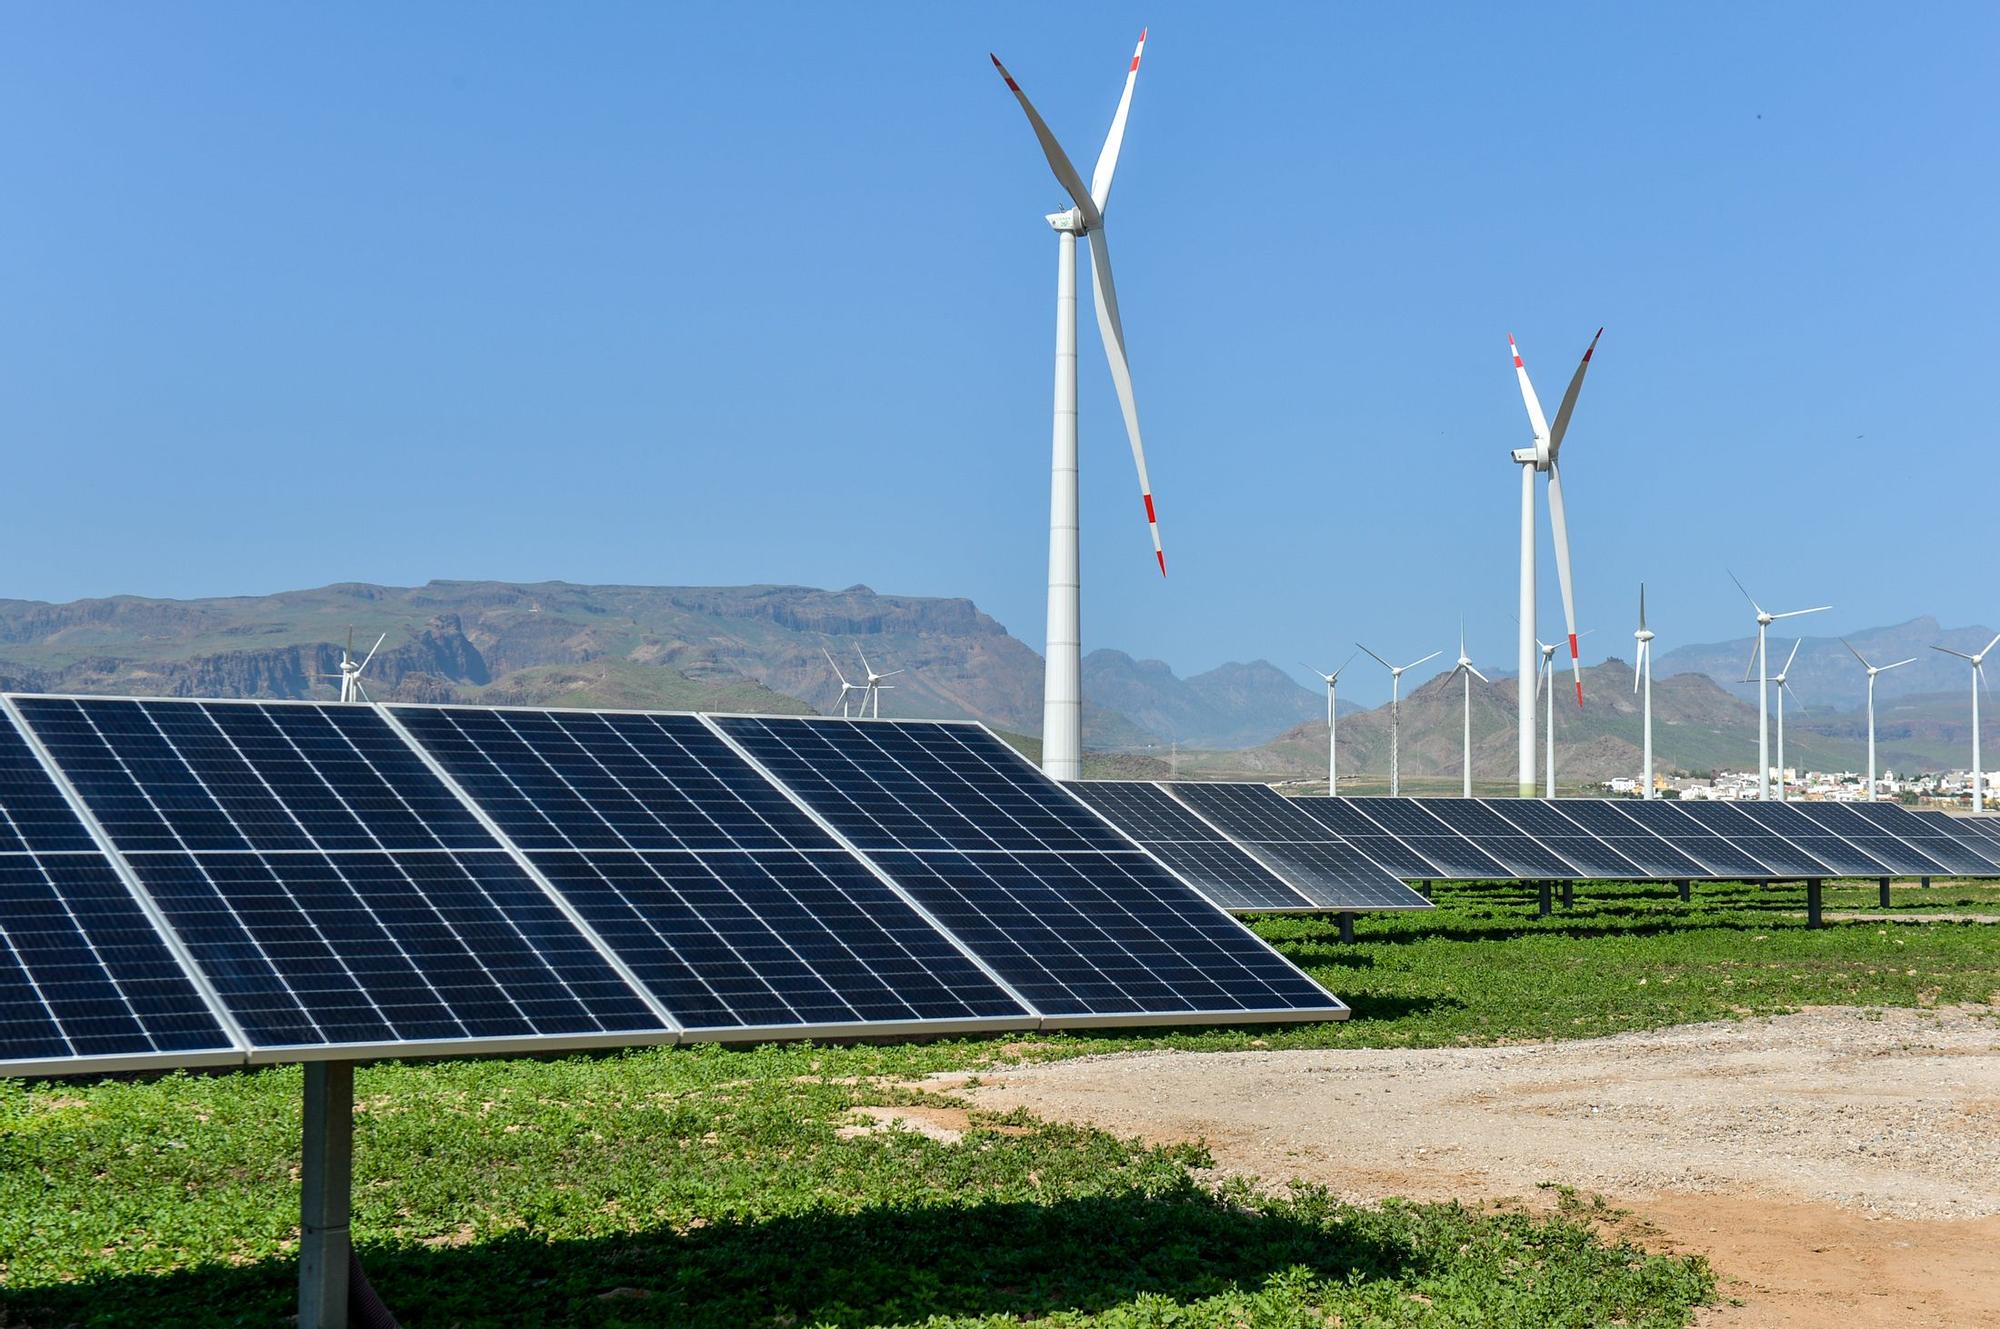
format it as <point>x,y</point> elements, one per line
<point>719,648</point>
<point>1825,674</point>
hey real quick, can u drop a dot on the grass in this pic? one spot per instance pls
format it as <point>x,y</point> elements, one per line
<point>712,1187</point>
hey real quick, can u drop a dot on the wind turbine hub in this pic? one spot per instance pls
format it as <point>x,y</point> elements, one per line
<point>1070,223</point>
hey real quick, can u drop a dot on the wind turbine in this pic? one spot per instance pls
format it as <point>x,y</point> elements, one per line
<point>872,690</point>
<point>1872,671</point>
<point>1332,734</point>
<point>1783,681</point>
<point>1643,671</point>
<point>845,686</point>
<point>350,672</point>
<point>1062,689</point>
<point>1541,456</point>
<point>1464,666</point>
<point>1546,675</point>
<point>1765,619</point>
<point>1978,663</point>
<point>1396,673</point>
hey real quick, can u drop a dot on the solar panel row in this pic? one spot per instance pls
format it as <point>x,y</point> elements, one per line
<point>229,881</point>
<point>1325,870</point>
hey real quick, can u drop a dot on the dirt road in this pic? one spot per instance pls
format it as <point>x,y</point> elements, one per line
<point>1837,1167</point>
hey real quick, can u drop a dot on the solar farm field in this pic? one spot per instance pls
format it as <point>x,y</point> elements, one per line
<point>710,1186</point>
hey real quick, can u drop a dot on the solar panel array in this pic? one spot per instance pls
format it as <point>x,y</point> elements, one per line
<point>1323,868</point>
<point>208,883</point>
<point>1202,856</point>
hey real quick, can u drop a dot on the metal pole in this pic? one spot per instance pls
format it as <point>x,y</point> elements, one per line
<point>1763,722</point>
<point>1526,658</point>
<point>1687,891</point>
<point>326,1179</point>
<point>1547,906</point>
<point>1332,744</point>
<point>1550,757</point>
<point>1646,785</point>
<point>1062,686</point>
<point>1569,895</point>
<point>1813,919</point>
<point>1883,892</point>
<point>1347,928</point>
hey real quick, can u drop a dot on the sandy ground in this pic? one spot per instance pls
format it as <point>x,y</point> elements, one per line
<point>1837,1167</point>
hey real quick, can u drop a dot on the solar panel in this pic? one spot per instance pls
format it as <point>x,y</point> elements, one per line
<point>1071,913</point>
<point>1655,856</point>
<point>1321,866</point>
<point>1559,834</point>
<point>1902,858</point>
<point>1984,825</point>
<point>1779,856</point>
<point>1525,859</point>
<point>736,909</point>
<point>85,977</point>
<point>1461,859</point>
<point>1785,819</point>
<point>242,822</point>
<point>1720,859</point>
<point>1953,856</point>
<point>1200,854</point>
<point>1340,816</point>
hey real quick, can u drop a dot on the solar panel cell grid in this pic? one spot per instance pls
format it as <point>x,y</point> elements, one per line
<point>1329,872</point>
<point>1785,820</point>
<point>1660,860</point>
<point>1397,858</point>
<point>34,814</point>
<point>1199,854</point>
<point>1564,837</point>
<point>1950,856</point>
<point>1665,819</point>
<point>1523,857</point>
<point>1779,856</point>
<point>1458,857</point>
<point>1904,858</point>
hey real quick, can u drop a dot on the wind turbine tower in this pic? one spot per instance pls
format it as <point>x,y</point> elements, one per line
<point>1396,673</point>
<point>1765,618</point>
<point>1062,689</point>
<point>1464,667</point>
<point>1642,681</point>
<point>350,669</point>
<point>1782,680</point>
<point>1978,663</point>
<point>1332,731</point>
<point>1873,670</point>
<point>1540,456</point>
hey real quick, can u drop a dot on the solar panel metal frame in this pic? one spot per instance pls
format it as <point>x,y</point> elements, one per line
<point>254,1053</point>
<point>1722,812</point>
<point>1903,857</point>
<point>1029,1019</point>
<point>1331,811</point>
<point>1902,823</point>
<point>1334,1010</point>
<point>1439,806</point>
<point>1970,831</point>
<point>1151,844</point>
<point>1615,829</point>
<point>1264,849</point>
<point>1788,823</point>
<point>1516,811</point>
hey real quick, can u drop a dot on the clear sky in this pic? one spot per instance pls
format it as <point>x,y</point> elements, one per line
<point>712,294</point>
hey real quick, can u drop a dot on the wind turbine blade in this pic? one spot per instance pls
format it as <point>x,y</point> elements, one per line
<point>1642,606</point>
<point>1949,651</point>
<point>1991,644</point>
<point>1058,159</point>
<point>893,672</point>
<point>1426,660</point>
<point>1569,400</point>
<point>1107,160</point>
<point>1476,674</point>
<point>1334,677</point>
<point>1856,654</point>
<point>1746,594</point>
<point>836,668</point>
<point>1371,655</point>
<point>361,691</point>
<point>1112,331</point>
<point>1898,665</point>
<point>372,649</point>
<point>1461,636</point>
<point>1794,613</point>
<point>1751,666</point>
<point>1559,528</point>
<point>1793,656</point>
<point>1536,419</point>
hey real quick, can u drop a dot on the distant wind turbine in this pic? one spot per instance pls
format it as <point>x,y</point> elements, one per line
<point>1332,733</point>
<point>350,671</point>
<point>1643,673</point>
<point>1873,670</point>
<point>845,686</point>
<point>1062,689</point>
<point>1978,663</point>
<point>872,690</point>
<point>1783,681</point>
<point>1464,667</point>
<point>1396,673</point>
<point>1765,619</point>
<point>1546,677</point>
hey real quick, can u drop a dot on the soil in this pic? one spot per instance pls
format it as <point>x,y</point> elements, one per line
<point>1837,1167</point>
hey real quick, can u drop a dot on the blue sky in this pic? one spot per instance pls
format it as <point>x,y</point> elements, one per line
<point>712,294</point>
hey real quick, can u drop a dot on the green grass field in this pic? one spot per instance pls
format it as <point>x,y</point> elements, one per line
<point>715,1188</point>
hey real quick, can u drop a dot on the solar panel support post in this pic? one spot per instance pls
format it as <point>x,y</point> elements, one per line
<point>1813,919</point>
<point>1687,890</point>
<point>1546,904</point>
<point>326,1179</point>
<point>1347,928</point>
<point>1569,895</point>
<point>1927,885</point>
<point>1883,892</point>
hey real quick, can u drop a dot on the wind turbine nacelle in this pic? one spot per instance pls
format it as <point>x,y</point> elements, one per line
<point>1532,455</point>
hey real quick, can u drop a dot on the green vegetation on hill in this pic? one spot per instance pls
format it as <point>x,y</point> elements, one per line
<point>722,1188</point>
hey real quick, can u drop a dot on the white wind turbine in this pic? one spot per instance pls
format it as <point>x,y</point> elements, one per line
<point>1541,455</point>
<point>1396,673</point>
<point>1872,671</point>
<point>1062,690</point>
<point>845,686</point>
<point>1978,663</point>
<point>1642,672</point>
<point>1764,620</point>
<point>1464,666</point>
<point>872,690</point>
<point>1332,733</point>
<point>1782,681</point>
<point>350,670</point>
<point>1546,677</point>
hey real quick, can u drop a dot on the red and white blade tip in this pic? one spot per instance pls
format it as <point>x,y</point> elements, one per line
<point>1576,664</point>
<point>1591,349</point>
<point>1514,349</point>
<point>1153,525</point>
<point>1139,50</point>
<point>1012,86</point>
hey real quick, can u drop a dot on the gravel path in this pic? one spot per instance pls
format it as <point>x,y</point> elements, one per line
<point>1839,1165</point>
